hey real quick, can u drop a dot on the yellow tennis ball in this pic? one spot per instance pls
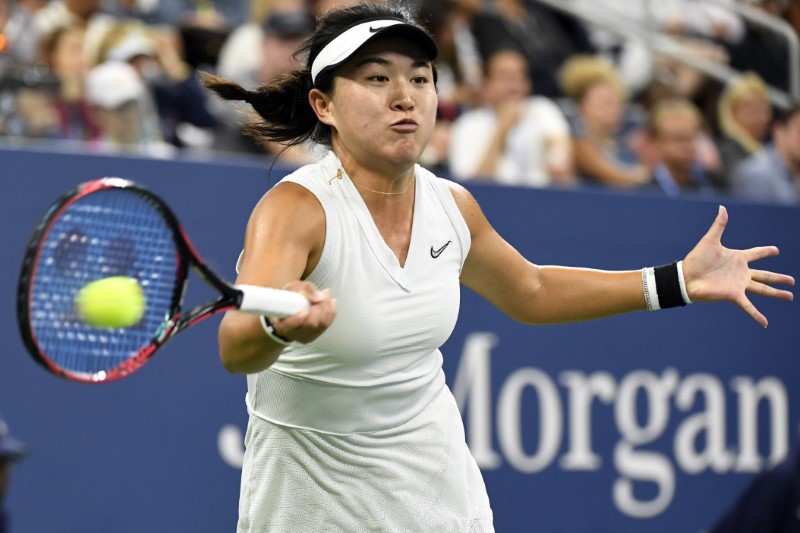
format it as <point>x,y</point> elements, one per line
<point>115,302</point>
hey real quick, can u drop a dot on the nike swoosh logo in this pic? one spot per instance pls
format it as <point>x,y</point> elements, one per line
<point>437,253</point>
<point>373,30</point>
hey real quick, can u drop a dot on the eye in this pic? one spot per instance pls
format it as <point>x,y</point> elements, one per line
<point>378,77</point>
<point>419,79</point>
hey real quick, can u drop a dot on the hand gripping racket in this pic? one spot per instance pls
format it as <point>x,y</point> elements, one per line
<point>114,227</point>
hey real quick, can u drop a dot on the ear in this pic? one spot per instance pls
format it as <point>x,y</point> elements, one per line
<point>322,104</point>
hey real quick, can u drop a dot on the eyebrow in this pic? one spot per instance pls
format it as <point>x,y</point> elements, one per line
<point>418,63</point>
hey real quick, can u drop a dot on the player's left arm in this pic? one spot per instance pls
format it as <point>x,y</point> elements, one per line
<point>536,294</point>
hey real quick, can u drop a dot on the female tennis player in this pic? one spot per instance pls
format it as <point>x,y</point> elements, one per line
<point>351,426</point>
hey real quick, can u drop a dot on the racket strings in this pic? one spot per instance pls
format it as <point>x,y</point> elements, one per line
<point>112,232</point>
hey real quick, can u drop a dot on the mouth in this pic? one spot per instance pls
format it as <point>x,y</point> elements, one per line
<point>406,125</point>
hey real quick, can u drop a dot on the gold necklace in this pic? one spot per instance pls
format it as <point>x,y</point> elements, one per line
<point>339,176</point>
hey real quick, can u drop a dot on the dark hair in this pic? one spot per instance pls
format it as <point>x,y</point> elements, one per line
<point>285,115</point>
<point>783,116</point>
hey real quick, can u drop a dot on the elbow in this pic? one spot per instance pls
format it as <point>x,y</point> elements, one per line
<point>230,362</point>
<point>242,349</point>
<point>530,306</point>
<point>243,359</point>
<point>231,358</point>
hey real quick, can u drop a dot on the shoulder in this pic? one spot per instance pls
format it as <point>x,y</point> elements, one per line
<point>291,208</point>
<point>467,205</point>
<point>541,108</point>
<point>473,116</point>
<point>288,203</point>
<point>462,197</point>
<point>760,165</point>
<point>543,104</point>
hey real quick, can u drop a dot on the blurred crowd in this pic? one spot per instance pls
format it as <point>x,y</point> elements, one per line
<point>529,96</point>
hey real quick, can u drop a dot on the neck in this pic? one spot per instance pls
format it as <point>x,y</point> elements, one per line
<point>682,176</point>
<point>597,131</point>
<point>378,178</point>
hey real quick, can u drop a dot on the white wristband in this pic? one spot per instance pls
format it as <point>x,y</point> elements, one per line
<point>649,288</point>
<point>269,329</point>
<point>682,281</point>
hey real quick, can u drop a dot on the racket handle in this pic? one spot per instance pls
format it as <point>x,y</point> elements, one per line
<point>271,302</point>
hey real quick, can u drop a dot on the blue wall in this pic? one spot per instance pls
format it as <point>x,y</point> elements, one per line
<point>582,427</point>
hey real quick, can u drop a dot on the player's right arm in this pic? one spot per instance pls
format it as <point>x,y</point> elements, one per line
<point>283,242</point>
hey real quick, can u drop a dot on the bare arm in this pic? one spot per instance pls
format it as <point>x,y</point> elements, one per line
<point>283,242</point>
<point>535,294</point>
<point>551,294</point>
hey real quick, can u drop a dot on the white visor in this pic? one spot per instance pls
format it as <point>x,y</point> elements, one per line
<point>345,45</point>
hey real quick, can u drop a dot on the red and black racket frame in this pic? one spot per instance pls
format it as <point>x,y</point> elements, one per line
<point>173,323</point>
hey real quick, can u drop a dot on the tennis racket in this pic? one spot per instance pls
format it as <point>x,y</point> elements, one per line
<point>114,227</point>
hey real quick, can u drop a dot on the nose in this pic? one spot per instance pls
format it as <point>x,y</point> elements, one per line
<point>402,97</point>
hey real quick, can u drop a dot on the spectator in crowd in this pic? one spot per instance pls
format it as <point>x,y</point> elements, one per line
<point>179,13</point>
<point>208,13</point>
<point>773,174</point>
<point>744,115</point>
<point>115,91</point>
<point>675,129</point>
<point>260,53</point>
<point>544,36</point>
<point>762,50</point>
<point>606,131</point>
<point>276,41</point>
<point>175,107</point>
<point>515,139</point>
<point>30,114</point>
<point>459,65</point>
<point>203,26</point>
<point>458,69</point>
<point>67,13</point>
<point>63,51</point>
<point>697,24</point>
<point>770,504</point>
<point>18,32</point>
<point>11,450</point>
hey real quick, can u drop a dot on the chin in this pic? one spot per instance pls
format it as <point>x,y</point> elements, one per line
<point>406,153</point>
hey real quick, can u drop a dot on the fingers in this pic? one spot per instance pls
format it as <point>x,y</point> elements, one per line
<point>751,310</point>
<point>718,227</point>
<point>760,252</point>
<point>765,290</point>
<point>312,322</point>
<point>307,289</point>
<point>771,278</point>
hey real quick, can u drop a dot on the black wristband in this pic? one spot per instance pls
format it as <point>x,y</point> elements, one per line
<point>668,286</point>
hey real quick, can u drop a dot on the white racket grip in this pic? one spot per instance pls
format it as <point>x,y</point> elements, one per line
<point>271,302</point>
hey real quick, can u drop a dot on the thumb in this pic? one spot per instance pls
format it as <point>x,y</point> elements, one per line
<point>718,227</point>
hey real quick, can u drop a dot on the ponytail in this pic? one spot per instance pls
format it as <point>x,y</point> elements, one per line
<point>286,116</point>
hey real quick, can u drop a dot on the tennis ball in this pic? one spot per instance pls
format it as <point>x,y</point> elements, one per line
<point>115,302</point>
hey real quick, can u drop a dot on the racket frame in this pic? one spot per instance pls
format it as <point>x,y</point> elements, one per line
<point>174,322</point>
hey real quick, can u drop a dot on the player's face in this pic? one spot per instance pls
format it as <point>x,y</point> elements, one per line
<point>383,106</point>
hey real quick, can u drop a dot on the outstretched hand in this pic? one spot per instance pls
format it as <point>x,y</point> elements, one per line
<point>715,273</point>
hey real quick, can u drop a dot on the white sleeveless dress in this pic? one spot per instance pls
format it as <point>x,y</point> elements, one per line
<point>357,430</point>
